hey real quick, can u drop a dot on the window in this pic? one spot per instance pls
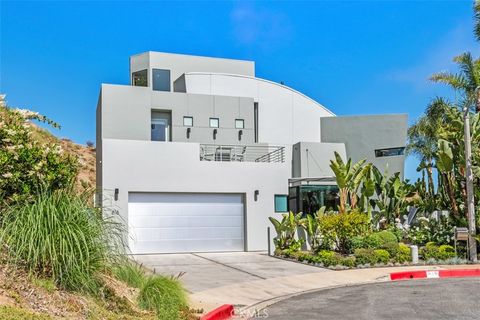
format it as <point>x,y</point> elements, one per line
<point>281,203</point>
<point>139,78</point>
<point>160,127</point>
<point>389,152</point>
<point>255,120</point>
<point>239,123</point>
<point>214,123</point>
<point>188,121</point>
<point>161,80</point>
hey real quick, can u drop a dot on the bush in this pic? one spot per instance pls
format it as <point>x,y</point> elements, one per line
<point>403,253</point>
<point>365,256</point>
<point>349,262</point>
<point>163,295</point>
<point>430,251</point>
<point>381,256</point>
<point>26,162</point>
<point>381,239</point>
<point>328,258</point>
<point>60,236</point>
<point>446,252</point>
<point>339,228</point>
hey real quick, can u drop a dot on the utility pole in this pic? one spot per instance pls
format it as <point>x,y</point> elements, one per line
<point>472,243</point>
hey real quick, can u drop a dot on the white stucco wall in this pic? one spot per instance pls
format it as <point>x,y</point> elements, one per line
<point>145,166</point>
<point>285,116</point>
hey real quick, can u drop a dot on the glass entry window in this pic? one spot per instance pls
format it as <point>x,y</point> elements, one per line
<point>310,198</point>
<point>161,121</point>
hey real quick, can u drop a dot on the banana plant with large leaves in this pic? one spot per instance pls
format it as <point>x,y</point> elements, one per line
<point>286,229</point>
<point>391,196</point>
<point>445,167</point>
<point>349,179</point>
<point>312,229</point>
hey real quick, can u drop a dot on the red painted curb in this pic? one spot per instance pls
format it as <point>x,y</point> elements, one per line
<point>430,274</point>
<point>221,313</point>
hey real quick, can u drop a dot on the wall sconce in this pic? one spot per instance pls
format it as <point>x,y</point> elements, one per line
<point>115,196</point>
<point>240,133</point>
<point>189,130</point>
<point>214,134</point>
<point>255,195</point>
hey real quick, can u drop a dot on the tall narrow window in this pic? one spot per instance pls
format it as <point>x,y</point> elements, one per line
<point>139,78</point>
<point>255,120</point>
<point>161,79</point>
<point>160,126</point>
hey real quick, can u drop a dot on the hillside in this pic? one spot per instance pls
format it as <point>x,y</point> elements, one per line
<point>84,154</point>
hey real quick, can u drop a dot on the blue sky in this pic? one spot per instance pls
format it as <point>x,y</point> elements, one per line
<point>359,57</point>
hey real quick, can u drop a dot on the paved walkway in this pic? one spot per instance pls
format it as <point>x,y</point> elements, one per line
<point>252,280</point>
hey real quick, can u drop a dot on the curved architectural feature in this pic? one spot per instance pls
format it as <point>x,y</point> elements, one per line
<point>197,152</point>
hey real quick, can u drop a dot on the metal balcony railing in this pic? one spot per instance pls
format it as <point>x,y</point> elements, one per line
<point>229,153</point>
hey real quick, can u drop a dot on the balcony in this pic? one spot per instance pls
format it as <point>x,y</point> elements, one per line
<point>238,153</point>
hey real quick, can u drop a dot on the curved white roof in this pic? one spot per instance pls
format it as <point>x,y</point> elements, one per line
<point>266,81</point>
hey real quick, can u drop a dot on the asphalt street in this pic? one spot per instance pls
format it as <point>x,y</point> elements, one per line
<point>454,298</point>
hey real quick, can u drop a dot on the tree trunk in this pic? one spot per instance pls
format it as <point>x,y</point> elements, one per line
<point>451,195</point>
<point>431,186</point>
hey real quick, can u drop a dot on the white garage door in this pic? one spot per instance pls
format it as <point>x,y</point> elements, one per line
<point>185,222</point>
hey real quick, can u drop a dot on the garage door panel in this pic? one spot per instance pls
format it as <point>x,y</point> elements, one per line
<point>172,221</point>
<point>166,222</point>
<point>155,234</point>
<point>190,209</point>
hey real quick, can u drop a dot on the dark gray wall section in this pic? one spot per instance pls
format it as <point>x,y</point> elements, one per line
<point>363,134</point>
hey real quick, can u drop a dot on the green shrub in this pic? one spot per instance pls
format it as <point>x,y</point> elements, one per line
<point>26,162</point>
<point>286,229</point>
<point>328,258</point>
<point>60,236</point>
<point>163,295</point>
<point>356,242</point>
<point>392,248</point>
<point>130,272</point>
<point>381,239</point>
<point>430,251</point>
<point>349,262</point>
<point>446,252</point>
<point>381,256</point>
<point>403,253</point>
<point>16,313</point>
<point>340,228</point>
<point>365,256</point>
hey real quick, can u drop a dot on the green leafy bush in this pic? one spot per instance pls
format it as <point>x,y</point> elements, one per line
<point>432,251</point>
<point>25,162</point>
<point>403,253</point>
<point>328,258</point>
<point>339,228</point>
<point>59,236</point>
<point>365,256</point>
<point>164,296</point>
<point>381,256</point>
<point>349,262</point>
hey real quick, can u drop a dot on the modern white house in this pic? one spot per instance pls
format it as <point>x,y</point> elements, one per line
<point>196,153</point>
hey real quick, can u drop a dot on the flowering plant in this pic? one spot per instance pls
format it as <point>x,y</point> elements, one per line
<point>27,164</point>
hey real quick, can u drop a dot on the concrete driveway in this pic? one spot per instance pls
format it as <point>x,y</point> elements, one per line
<point>204,271</point>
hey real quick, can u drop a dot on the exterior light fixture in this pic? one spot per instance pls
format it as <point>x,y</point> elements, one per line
<point>240,133</point>
<point>115,196</point>
<point>255,195</point>
<point>189,130</point>
<point>214,134</point>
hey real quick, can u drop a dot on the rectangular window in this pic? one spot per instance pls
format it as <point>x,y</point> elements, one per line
<point>239,124</point>
<point>389,152</point>
<point>188,121</point>
<point>281,203</point>
<point>214,123</point>
<point>139,78</point>
<point>160,126</point>
<point>161,79</point>
<point>255,121</point>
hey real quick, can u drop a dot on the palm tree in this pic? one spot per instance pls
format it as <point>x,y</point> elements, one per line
<point>424,134</point>
<point>467,80</point>
<point>476,11</point>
